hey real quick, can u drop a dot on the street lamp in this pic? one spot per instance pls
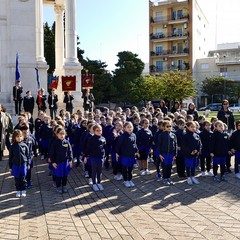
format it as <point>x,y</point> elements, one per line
<point>224,83</point>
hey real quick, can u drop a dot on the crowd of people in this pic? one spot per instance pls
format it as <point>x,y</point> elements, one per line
<point>125,140</point>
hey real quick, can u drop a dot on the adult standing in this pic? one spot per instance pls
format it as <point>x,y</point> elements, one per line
<point>88,100</point>
<point>17,96</point>
<point>163,107</point>
<point>41,100</point>
<point>192,111</point>
<point>226,115</point>
<point>5,129</point>
<point>28,102</point>
<point>68,99</point>
<point>52,102</point>
<point>176,107</point>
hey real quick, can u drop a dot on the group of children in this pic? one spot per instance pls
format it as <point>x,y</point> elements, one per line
<point>132,138</point>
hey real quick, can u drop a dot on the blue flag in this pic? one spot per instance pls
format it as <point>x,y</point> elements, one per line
<point>37,75</point>
<point>17,73</point>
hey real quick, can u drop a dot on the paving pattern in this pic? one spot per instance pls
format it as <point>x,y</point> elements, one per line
<point>149,210</point>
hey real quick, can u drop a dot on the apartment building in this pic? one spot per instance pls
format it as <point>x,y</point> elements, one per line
<point>178,35</point>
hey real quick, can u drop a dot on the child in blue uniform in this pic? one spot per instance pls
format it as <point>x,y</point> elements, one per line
<point>19,162</point>
<point>167,147</point>
<point>205,157</point>
<point>144,143</point>
<point>61,157</point>
<point>219,150</point>
<point>180,157</point>
<point>235,148</point>
<point>126,149</point>
<point>191,146</point>
<point>96,152</point>
<point>32,146</point>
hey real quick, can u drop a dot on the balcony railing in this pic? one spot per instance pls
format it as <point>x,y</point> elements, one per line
<point>173,35</point>
<point>167,18</point>
<point>169,52</point>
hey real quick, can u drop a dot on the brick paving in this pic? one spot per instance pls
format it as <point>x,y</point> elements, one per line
<point>150,210</point>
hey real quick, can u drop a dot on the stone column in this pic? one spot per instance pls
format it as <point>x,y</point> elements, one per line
<point>39,32</point>
<point>70,32</point>
<point>59,38</point>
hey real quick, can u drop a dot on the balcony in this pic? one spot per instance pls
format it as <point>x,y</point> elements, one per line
<point>169,19</point>
<point>160,37</point>
<point>170,53</point>
<point>228,61</point>
<point>169,67</point>
<point>182,19</point>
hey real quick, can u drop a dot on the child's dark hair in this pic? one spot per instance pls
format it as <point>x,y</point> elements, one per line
<point>214,119</point>
<point>237,123</point>
<point>190,123</point>
<point>206,123</point>
<point>16,133</point>
<point>24,127</point>
<point>181,122</point>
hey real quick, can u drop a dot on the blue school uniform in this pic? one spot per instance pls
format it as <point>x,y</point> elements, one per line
<point>61,153</point>
<point>144,142</point>
<point>19,159</point>
<point>235,144</point>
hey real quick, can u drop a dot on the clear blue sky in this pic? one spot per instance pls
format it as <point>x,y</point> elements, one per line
<point>106,27</point>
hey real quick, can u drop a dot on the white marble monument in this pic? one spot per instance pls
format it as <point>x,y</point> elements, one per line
<point>21,31</point>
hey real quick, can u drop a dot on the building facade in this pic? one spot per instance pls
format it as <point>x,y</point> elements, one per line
<point>21,31</point>
<point>178,32</point>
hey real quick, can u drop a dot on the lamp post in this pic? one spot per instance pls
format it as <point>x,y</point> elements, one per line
<point>224,83</point>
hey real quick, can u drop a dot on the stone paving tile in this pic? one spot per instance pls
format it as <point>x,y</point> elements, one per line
<point>148,211</point>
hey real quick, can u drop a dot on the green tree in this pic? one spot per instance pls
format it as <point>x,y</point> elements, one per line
<point>177,85</point>
<point>49,46</point>
<point>219,87</point>
<point>127,76</point>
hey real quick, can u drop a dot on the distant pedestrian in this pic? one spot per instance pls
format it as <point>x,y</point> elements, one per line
<point>68,99</point>
<point>88,101</point>
<point>41,100</point>
<point>17,97</point>
<point>28,102</point>
<point>52,102</point>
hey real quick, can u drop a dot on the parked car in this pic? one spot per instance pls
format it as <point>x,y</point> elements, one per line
<point>235,107</point>
<point>212,107</point>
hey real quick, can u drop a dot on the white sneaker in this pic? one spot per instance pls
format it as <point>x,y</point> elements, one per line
<point>42,157</point>
<point>203,174</point>
<point>24,193</point>
<point>120,177</point>
<point>142,172</point>
<point>131,183</point>
<point>210,174</point>
<point>18,194</point>
<point>90,181</point>
<point>147,172</point>
<point>127,184</point>
<point>189,181</point>
<point>150,160</point>
<point>86,175</point>
<point>75,160</point>
<point>100,186</point>
<point>194,180</point>
<point>95,188</point>
<point>238,175</point>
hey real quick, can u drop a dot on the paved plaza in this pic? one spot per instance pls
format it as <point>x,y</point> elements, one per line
<point>150,210</point>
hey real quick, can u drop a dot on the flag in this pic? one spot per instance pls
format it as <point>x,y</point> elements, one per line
<point>68,83</point>
<point>17,73</point>
<point>39,99</point>
<point>37,75</point>
<point>53,82</point>
<point>87,81</point>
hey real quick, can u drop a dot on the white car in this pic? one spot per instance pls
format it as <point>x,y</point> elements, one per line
<point>235,107</point>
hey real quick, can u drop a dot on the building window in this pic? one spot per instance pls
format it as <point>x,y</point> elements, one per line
<point>159,50</point>
<point>179,14</point>
<point>159,17</point>
<point>174,15</point>
<point>204,66</point>
<point>180,32</point>
<point>180,64</point>
<point>159,66</point>
<point>180,48</point>
<point>223,71</point>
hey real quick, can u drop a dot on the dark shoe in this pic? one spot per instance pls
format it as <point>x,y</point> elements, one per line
<point>29,185</point>
<point>229,170</point>
<point>223,179</point>
<point>59,190</point>
<point>64,189</point>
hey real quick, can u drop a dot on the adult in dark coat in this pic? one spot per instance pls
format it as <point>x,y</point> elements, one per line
<point>163,107</point>
<point>88,101</point>
<point>17,96</point>
<point>192,111</point>
<point>52,102</point>
<point>226,115</point>
<point>68,99</point>
<point>28,102</point>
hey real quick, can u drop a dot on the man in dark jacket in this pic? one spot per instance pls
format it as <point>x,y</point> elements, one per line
<point>52,101</point>
<point>17,96</point>
<point>28,102</point>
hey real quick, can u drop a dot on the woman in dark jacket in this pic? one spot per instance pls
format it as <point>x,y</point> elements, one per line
<point>163,107</point>
<point>192,111</point>
<point>226,115</point>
